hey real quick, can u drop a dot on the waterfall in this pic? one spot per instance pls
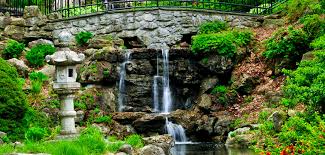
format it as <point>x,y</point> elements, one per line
<point>167,100</point>
<point>166,94</point>
<point>176,131</point>
<point>122,91</point>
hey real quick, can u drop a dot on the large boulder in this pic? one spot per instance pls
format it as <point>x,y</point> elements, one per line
<point>204,102</point>
<point>244,83</point>
<point>151,150</point>
<point>150,124</point>
<point>98,72</point>
<point>166,142</point>
<point>127,117</point>
<point>278,118</point>
<point>40,41</point>
<point>20,65</point>
<point>240,138</point>
<point>126,148</point>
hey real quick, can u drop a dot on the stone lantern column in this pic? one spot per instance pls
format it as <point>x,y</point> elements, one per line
<point>65,84</point>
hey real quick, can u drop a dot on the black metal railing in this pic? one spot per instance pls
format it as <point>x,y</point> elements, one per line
<point>69,8</point>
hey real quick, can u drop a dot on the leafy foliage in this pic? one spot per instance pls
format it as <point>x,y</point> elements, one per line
<point>212,27</point>
<point>298,135</point>
<point>13,104</point>
<point>104,119</point>
<point>36,55</point>
<point>83,37</point>
<point>319,43</point>
<point>13,49</point>
<point>287,43</point>
<point>307,83</point>
<point>224,43</point>
<point>296,9</point>
<point>35,134</point>
<point>314,25</point>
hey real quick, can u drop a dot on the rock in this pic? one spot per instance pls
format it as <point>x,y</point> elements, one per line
<point>97,72</point>
<point>208,84</point>
<point>22,68</point>
<point>184,45</point>
<point>48,70</point>
<point>31,11</point>
<point>240,138</point>
<point>80,116</point>
<point>122,153</point>
<point>273,23</point>
<point>204,102</point>
<point>15,32</point>
<point>108,99</point>
<point>292,112</point>
<point>166,142</point>
<point>308,56</point>
<point>39,41</point>
<point>245,83</point>
<point>4,21</point>
<point>2,134</point>
<point>217,64</point>
<point>151,150</point>
<point>99,43</point>
<point>149,124</point>
<point>127,117</point>
<point>126,148</point>
<point>278,118</point>
<point>18,21</point>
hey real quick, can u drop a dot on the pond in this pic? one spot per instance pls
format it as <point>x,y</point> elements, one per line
<point>207,149</point>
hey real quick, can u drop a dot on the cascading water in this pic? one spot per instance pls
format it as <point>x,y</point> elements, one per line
<point>167,100</point>
<point>122,90</point>
<point>166,94</point>
<point>176,131</point>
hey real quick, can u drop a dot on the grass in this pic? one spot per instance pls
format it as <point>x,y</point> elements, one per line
<point>90,142</point>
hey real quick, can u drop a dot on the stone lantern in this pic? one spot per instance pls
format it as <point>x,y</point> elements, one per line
<point>65,84</point>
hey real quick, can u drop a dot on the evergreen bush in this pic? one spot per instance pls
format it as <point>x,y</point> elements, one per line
<point>212,27</point>
<point>83,37</point>
<point>224,43</point>
<point>287,43</point>
<point>36,55</point>
<point>13,49</point>
<point>13,104</point>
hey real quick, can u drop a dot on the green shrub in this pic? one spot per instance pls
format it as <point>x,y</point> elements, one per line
<point>36,55</point>
<point>297,135</point>
<point>296,9</point>
<point>134,140</point>
<point>212,27</point>
<point>263,116</point>
<point>37,79</point>
<point>36,134</point>
<point>314,25</point>
<point>224,43</point>
<point>83,37</point>
<point>104,119</point>
<point>219,89</point>
<point>319,43</point>
<point>13,104</point>
<point>115,146</point>
<point>13,49</point>
<point>287,43</point>
<point>306,84</point>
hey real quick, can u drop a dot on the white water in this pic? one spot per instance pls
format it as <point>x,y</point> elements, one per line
<point>122,91</point>
<point>176,131</point>
<point>167,100</point>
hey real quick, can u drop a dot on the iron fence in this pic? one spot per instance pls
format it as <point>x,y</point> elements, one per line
<point>69,8</point>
